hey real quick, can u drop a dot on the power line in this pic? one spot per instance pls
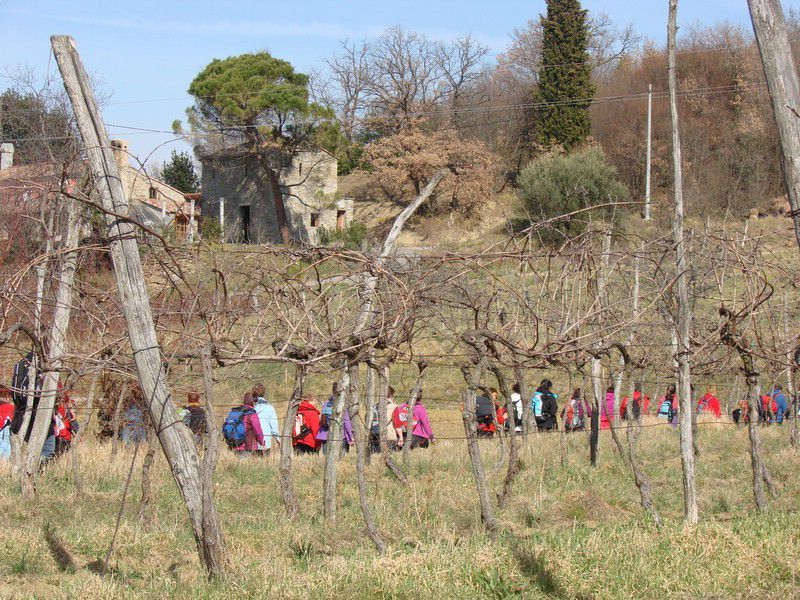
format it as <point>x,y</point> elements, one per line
<point>709,91</point>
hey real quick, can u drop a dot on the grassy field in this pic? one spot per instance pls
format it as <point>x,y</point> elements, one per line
<point>569,532</point>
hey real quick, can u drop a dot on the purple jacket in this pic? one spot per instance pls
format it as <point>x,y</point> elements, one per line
<point>423,425</point>
<point>327,409</point>
<point>254,436</point>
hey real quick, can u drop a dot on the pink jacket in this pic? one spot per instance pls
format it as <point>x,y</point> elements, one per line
<point>423,425</point>
<point>254,436</point>
<point>607,412</point>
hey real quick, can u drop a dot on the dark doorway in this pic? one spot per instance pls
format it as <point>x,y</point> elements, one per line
<point>244,219</point>
<point>340,219</point>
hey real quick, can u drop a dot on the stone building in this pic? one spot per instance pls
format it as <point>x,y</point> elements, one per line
<point>153,202</point>
<point>237,191</point>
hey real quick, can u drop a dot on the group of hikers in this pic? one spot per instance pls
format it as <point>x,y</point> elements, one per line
<point>577,411</point>
<point>18,418</point>
<point>252,427</point>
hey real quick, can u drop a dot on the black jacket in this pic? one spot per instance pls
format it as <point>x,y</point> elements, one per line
<point>549,411</point>
<point>19,386</point>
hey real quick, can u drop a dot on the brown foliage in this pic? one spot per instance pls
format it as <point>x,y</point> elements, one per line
<point>413,155</point>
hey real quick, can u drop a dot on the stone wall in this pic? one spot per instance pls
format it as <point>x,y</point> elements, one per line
<point>309,187</point>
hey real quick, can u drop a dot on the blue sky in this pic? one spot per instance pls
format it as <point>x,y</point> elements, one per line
<point>148,51</point>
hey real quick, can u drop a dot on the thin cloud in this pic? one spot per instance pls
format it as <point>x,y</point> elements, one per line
<point>224,27</point>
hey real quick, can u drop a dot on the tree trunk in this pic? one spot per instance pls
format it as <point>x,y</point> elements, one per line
<point>280,206</point>
<point>361,453</point>
<point>682,284</point>
<point>756,460</point>
<point>177,442</point>
<point>519,376</point>
<point>288,494</point>
<point>612,421</point>
<point>74,447</point>
<point>212,541</point>
<point>56,348</point>
<point>472,377</point>
<point>368,406</point>
<point>784,90</point>
<point>640,477</point>
<point>383,400</point>
<point>145,504</point>
<point>504,495</point>
<point>117,418</point>
<point>334,444</point>
<point>597,402</point>
<point>412,401</point>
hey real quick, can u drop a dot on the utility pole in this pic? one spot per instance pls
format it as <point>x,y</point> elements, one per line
<point>649,151</point>
<point>191,220</point>
<point>772,36</point>
<point>222,219</point>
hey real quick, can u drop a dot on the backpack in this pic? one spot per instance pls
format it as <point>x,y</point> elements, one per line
<point>195,419</point>
<point>665,409</point>
<point>301,430</point>
<point>400,418</point>
<point>483,411</point>
<point>375,427</point>
<point>234,429</point>
<point>577,417</point>
<point>536,404</point>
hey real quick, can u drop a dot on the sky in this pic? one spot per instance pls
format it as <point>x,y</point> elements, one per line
<point>147,52</point>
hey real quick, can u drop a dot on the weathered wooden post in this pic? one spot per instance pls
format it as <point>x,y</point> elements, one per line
<point>772,36</point>
<point>177,442</point>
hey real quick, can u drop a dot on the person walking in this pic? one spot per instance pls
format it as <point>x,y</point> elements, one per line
<point>781,406</point>
<point>576,411</point>
<point>267,418</point>
<point>325,423</point>
<point>306,426</point>
<point>374,431</point>
<point>708,404</point>
<point>545,407</point>
<point>194,416</point>
<point>242,429</point>
<point>421,433</point>
<point>6,416</point>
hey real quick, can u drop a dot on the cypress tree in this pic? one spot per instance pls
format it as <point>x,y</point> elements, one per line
<point>565,79</point>
<point>179,173</point>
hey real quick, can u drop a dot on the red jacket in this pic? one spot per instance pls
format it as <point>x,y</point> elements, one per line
<point>6,412</point>
<point>63,422</point>
<point>637,396</point>
<point>709,404</point>
<point>501,419</point>
<point>307,421</point>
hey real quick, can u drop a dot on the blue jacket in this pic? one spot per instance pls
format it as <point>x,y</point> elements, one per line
<point>268,419</point>
<point>780,405</point>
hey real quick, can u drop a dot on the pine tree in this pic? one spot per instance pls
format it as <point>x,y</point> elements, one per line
<point>565,79</point>
<point>179,173</point>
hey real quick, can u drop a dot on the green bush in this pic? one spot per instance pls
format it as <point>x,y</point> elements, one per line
<point>210,229</point>
<point>558,184</point>
<point>351,237</point>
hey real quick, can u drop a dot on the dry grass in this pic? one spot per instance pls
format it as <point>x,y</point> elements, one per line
<point>569,532</point>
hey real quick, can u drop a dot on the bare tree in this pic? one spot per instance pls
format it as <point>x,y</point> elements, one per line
<point>459,62</point>
<point>349,74</point>
<point>684,308</point>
